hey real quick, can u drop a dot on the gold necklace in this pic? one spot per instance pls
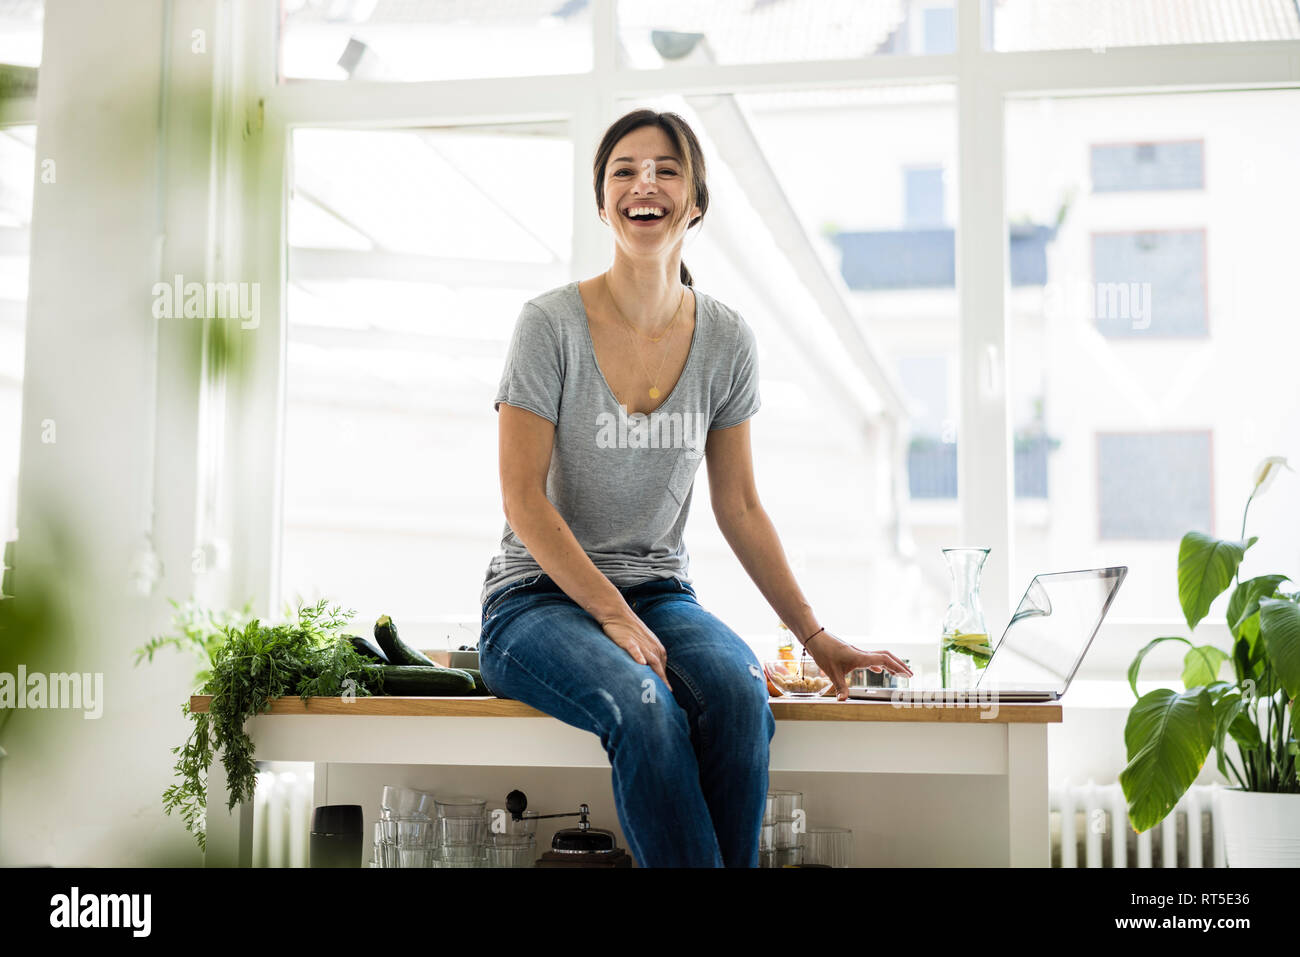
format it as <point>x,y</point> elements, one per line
<point>654,390</point>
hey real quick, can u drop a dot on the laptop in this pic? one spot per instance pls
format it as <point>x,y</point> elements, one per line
<point>1042,647</point>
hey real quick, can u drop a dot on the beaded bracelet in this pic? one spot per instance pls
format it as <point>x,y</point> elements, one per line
<point>812,636</point>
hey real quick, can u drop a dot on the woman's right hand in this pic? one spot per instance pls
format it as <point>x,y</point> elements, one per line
<point>632,635</point>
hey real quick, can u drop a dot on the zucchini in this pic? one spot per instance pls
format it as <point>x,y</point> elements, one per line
<point>479,687</point>
<point>423,681</point>
<point>367,648</point>
<point>398,652</point>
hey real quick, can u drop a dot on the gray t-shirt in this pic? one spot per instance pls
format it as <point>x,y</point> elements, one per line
<point>622,482</point>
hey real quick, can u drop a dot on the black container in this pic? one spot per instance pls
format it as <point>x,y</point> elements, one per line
<point>336,835</point>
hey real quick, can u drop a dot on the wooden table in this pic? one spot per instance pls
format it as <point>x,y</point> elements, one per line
<point>820,734</point>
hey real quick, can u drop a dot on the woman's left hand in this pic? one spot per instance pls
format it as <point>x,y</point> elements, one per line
<point>838,658</point>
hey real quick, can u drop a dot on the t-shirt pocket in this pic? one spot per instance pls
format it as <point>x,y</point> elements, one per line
<point>683,473</point>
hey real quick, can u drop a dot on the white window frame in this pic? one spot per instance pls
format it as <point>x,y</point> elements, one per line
<point>985,80</point>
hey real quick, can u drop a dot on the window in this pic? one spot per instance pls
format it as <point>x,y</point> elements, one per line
<point>1154,418</point>
<point>1153,486</point>
<point>1150,283</point>
<point>853,276</point>
<point>411,253</point>
<point>1126,167</point>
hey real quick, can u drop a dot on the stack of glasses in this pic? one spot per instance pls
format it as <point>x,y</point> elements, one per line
<point>461,832</point>
<point>779,842</point>
<point>419,829</point>
<point>404,833</point>
<point>787,840</point>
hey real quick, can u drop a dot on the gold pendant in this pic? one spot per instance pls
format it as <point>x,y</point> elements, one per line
<point>654,393</point>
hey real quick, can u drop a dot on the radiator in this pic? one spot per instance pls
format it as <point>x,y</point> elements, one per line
<point>1090,828</point>
<point>282,808</point>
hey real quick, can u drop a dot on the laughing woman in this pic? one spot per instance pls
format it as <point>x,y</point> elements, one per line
<point>614,389</point>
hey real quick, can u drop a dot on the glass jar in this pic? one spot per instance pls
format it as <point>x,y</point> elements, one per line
<point>964,649</point>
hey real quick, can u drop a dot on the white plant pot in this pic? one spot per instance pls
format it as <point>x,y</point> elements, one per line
<point>1259,830</point>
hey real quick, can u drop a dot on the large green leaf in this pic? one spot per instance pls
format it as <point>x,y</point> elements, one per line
<point>1245,599</point>
<point>1201,666</point>
<point>1137,660</point>
<point>1279,630</point>
<point>1205,568</point>
<point>1168,737</point>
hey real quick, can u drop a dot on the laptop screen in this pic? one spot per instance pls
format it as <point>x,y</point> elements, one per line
<point>1049,633</point>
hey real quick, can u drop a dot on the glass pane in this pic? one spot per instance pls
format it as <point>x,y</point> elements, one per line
<point>17,174</point>
<point>21,30</point>
<point>449,193</point>
<point>433,39</point>
<point>828,171</point>
<point>411,254</point>
<point>1098,24</point>
<point>1155,355</point>
<point>657,32</point>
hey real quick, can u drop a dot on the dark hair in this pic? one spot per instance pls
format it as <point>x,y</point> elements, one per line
<point>688,148</point>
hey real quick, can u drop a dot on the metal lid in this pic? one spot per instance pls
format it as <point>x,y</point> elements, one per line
<point>590,840</point>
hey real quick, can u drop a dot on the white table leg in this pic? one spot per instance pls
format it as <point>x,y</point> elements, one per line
<point>1028,827</point>
<point>229,833</point>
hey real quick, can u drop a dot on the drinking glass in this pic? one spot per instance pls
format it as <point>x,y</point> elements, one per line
<point>403,802</point>
<point>459,805</point>
<point>781,805</point>
<point>448,857</point>
<point>462,830</point>
<point>405,843</point>
<point>831,846</point>
<point>414,833</point>
<point>462,823</point>
<point>510,850</point>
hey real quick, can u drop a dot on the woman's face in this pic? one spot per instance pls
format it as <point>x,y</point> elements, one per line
<point>644,172</point>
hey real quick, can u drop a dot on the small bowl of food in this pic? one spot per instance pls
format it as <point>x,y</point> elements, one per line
<point>797,679</point>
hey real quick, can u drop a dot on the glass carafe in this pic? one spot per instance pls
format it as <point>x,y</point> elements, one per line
<point>964,649</point>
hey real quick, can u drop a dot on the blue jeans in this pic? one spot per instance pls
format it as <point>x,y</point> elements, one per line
<point>689,766</point>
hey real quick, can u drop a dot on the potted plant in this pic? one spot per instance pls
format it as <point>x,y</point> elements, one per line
<point>1169,734</point>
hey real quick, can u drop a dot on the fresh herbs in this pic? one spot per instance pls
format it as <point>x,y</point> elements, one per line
<point>250,667</point>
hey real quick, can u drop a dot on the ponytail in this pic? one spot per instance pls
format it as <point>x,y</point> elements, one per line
<point>687,279</point>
